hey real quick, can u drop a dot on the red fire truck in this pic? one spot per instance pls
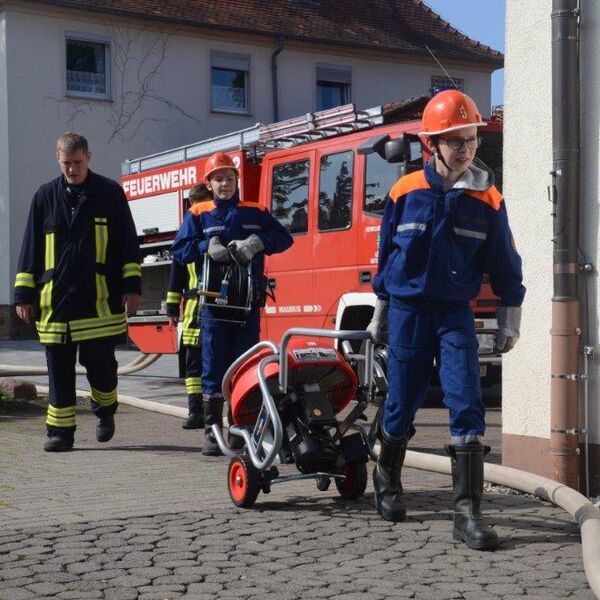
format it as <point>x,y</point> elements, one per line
<point>325,176</point>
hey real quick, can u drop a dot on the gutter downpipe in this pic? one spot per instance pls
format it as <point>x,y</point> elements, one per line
<point>280,44</point>
<point>566,321</point>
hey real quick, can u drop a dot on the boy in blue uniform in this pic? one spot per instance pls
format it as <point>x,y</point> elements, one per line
<point>183,284</point>
<point>226,228</point>
<point>443,228</point>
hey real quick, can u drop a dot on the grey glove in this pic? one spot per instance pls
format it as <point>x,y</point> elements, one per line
<point>217,251</point>
<point>509,323</point>
<point>243,250</point>
<point>378,327</point>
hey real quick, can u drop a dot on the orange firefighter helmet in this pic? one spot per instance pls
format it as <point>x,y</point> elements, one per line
<point>216,162</point>
<point>448,111</point>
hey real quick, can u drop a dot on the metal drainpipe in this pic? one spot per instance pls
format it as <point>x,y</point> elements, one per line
<point>566,324</point>
<point>280,44</point>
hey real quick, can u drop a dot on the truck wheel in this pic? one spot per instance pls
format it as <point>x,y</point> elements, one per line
<point>244,482</point>
<point>355,484</point>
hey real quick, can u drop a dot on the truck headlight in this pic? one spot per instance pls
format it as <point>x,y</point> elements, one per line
<point>486,342</point>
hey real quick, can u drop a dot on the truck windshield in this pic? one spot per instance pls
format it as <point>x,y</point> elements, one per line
<point>380,177</point>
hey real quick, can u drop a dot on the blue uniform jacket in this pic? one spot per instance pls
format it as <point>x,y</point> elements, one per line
<point>229,220</point>
<point>436,245</point>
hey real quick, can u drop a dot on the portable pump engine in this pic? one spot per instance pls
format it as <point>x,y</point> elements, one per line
<point>285,404</point>
<point>309,421</point>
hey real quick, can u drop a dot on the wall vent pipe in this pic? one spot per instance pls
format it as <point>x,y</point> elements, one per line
<point>566,319</point>
<point>280,44</point>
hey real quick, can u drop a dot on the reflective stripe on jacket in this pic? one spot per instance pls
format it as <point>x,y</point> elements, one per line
<point>183,284</point>
<point>76,265</point>
<point>436,244</point>
<point>229,220</point>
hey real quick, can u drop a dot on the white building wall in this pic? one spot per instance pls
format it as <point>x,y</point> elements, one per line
<point>527,163</point>
<point>4,161</point>
<point>375,80</point>
<point>175,109</point>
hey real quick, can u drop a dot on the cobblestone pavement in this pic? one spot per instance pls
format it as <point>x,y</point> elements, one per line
<point>146,516</point>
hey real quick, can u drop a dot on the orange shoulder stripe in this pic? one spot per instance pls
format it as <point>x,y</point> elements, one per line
<point>200,207</point>
<point>409,183</point>
<point>492,197</point>
<point>252,205</point>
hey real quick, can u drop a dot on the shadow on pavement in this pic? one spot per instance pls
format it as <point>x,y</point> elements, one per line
<point>316,505</point>
<point>143,448</point>
<point>166,381</point>
<point>525,531</point>
<point>20,409</point>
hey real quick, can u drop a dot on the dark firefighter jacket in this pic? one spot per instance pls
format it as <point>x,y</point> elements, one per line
<point>76,264</point>
<point>436,245</point>
<point>183,283</point>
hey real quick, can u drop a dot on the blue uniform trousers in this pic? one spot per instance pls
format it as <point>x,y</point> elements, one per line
<point>419,332</point>
<point>222,343</point>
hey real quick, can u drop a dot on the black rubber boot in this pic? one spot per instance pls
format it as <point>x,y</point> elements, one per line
<point>467,481</point>
<point>58,443</point>
<point>213,413</point>
<point>105,428</point>
<point>386,478</point>
<point>195,418</point>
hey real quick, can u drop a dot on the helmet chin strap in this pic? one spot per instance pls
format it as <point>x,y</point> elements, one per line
<point>438,153</point>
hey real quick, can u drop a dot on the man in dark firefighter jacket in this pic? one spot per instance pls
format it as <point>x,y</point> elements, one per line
<point>78,276</point>
<point>183,283</point>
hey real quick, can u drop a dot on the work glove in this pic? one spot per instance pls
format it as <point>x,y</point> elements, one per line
<point>243,250</point>
<point>509,323</point>
<point>217,251</point>
<point>378,327</point>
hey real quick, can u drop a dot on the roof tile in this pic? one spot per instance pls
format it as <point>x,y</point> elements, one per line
<point>404,26</point>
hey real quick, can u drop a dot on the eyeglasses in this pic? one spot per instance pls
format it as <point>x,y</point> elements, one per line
<point>457,143</point>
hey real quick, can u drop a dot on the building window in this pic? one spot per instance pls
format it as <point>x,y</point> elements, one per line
<point>229,82</point>
<point>289,196</point>
<point>442,83</point>
<point>88,73</point>
<point>333,86</point>
<point>335,191</point>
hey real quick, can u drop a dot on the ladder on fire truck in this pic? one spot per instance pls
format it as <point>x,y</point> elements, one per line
<point>260,138</point>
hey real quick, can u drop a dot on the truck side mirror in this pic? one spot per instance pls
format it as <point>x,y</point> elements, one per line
<point>405,149</point>
<point>374,144</point>
<point>397,150</point>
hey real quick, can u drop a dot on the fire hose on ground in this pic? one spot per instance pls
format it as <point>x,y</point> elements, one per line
<point>137,364</point>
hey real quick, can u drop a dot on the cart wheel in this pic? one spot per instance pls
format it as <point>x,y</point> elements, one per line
<point>244,482</point>
<point>355,484</point>
<point>323,483</point>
